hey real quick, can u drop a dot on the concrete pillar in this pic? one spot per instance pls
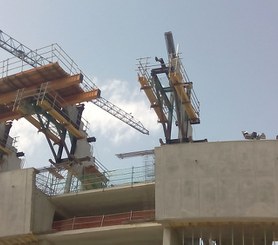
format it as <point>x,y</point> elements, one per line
<point>170,237</point>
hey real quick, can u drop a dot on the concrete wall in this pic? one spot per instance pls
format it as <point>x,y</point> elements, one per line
<point>42,213</point>
<point>10,162</point>
<point>217,181</point>
<point>15,202</point>
<point>23,208</point>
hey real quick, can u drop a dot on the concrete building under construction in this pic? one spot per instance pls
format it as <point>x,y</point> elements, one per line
<point>187,192</point>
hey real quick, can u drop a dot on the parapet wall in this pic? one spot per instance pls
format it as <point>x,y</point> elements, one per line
<point>220,181</point>
<point>15,202</point>
<point>23,208</point>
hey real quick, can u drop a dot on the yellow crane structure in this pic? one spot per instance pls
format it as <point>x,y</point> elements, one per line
<point>174,99</point>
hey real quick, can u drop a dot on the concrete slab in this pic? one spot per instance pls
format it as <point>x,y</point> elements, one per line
<point>106,201</point>
<point>136,234</point>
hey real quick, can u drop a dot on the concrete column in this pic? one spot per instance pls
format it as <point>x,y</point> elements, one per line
<point>170,237</point>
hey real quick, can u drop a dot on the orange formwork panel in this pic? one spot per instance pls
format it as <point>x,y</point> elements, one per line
<point>32,77</point>
<point>81,97</point>
<point>54,85</point>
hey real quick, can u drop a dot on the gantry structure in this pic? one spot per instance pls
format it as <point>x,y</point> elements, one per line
<point>47,88</point>
<point>170,93</point>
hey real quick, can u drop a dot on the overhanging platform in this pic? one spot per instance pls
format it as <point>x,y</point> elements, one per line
<point>136,234</point>
<point>39,82</point>
<point>106,201</point>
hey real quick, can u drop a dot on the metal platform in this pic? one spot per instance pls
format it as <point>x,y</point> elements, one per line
<point>38,82</point>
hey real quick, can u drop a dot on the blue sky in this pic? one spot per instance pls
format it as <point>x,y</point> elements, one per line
<point>229,49</point>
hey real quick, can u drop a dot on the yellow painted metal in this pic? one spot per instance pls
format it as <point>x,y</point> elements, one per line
<point>81,97</point>
<point>152,98</point>
<point>178,83</point>
<point>47,132</point>
<point>61,119</point>
<point>37,124</point>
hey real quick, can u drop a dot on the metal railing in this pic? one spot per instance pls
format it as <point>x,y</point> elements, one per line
<point>55,101</point>
<point>177,66</point>
<point>52,53</point>
<point>9,144</point>
<point>55,183</point>
<point>104,220</point>
<point>143,71</point>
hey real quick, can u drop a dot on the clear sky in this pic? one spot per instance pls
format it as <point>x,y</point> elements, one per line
<point>229,49</point>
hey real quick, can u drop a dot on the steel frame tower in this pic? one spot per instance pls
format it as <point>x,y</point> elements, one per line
<point>175,100</point>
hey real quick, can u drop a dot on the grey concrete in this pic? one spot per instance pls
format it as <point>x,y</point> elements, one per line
<point>11,161</point>
<point>16,202</point>
<point>170,236</point>
<point>232,181</point>
<point>135,234</point>
<point>106,201</point>
<point>42,212</point>
<point>23,208</point>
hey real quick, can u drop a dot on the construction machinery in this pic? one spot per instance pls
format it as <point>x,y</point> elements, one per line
<point>47,88</point>
<point>170,93</point>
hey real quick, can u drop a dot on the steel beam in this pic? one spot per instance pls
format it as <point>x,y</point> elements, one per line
<point>47,132</point>
<point>61,119</point>
<point>81,97</point>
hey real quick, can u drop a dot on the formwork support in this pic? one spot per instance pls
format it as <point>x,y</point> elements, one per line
<point>153,99</point>
<point>47,132</point>
<point>82,97</point>
<point>179,84</point>
<point>61,119</point>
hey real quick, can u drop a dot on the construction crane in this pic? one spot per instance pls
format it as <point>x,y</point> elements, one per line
<point>34,59</point>
<point>172,97</point>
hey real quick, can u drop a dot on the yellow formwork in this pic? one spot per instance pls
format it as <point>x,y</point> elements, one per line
<point>33,90</point>
<point>178,83</point>
<point>82,97</point>
<point>152,98</point>
<point>61,119</point>
<point>47,132</point>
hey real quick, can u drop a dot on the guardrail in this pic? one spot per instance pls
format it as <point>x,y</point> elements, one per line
<point>52,181</point>
<point>51,54</point>
<point>104,220</point>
